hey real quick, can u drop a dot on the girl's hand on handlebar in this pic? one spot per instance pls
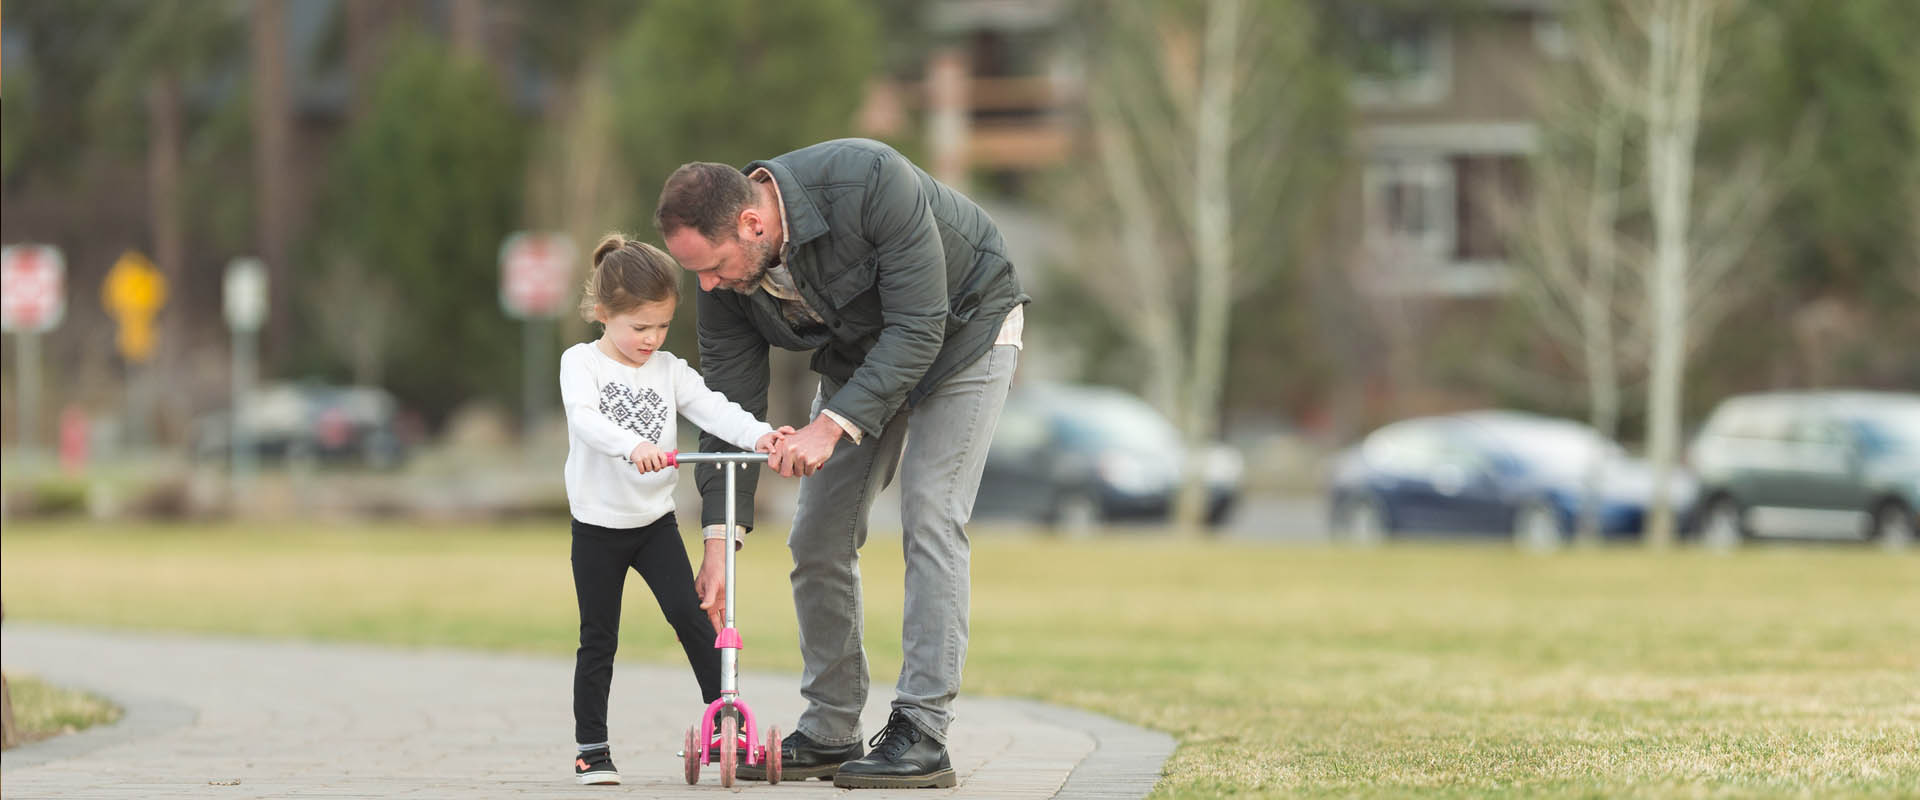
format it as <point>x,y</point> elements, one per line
<point>772,440</point>
<point>647,457</point>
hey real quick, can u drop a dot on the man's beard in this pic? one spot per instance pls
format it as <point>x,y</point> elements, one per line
<point>761,256</point>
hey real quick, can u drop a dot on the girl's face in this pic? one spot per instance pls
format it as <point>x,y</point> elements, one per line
<point>633,336</point>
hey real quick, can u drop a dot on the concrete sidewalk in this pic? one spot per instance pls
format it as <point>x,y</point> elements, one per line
<point>236,718</point>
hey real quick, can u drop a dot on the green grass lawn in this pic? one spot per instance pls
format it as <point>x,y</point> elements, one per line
<point>1446,671</point>
<point>41,709</point>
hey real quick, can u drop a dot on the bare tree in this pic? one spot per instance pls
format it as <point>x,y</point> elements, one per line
<point>1213,252</point>
<point>1568,237</point>
<point>1190,115</point>
<point>1566,232</point>
<point>1700,233</point>
<point>355,312</point>
<point>1680,35</point>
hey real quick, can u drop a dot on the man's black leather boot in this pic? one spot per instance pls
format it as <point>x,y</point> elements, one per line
<point>801,758</point>
<point>903,757</point>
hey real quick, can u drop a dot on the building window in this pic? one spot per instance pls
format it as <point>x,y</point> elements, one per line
<point>1410,209</point>
<point>1405,60</point>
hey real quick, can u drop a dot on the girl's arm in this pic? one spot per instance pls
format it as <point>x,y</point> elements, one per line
<point>713,412</point>
<point>580,395</point>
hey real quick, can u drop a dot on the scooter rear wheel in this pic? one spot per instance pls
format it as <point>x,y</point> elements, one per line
<point>692,755</point>
<point>773,755</point>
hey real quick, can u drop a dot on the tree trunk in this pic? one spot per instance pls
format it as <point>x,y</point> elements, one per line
<point>272,143</point>
<point>1677,67</point>
<point>1213,257</point>
<point>1602,362</point>
<point>165,125</point>
<point>1151,300</point>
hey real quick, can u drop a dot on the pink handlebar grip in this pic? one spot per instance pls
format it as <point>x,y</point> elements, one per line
<point>673,458</point>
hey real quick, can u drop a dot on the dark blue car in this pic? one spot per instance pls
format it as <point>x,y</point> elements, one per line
<point>1490,472</point>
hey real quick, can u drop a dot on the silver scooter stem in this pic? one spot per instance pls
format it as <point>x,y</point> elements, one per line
<point>729,661</point>
<point>729,656</point>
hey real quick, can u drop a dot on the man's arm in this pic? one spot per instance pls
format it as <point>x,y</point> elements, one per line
<point>733,359</point>
<point>911,274</point>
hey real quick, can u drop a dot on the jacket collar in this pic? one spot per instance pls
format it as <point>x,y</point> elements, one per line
<point>804,220</point>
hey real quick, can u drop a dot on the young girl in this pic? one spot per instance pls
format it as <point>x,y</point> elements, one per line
<point>622,395</point>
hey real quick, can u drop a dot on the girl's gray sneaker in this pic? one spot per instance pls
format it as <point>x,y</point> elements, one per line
<point>595,767</point>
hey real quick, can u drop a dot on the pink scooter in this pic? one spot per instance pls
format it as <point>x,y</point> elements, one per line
<point>700,749</point>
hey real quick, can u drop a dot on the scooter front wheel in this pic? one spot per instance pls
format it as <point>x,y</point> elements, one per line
<point>729,750</point>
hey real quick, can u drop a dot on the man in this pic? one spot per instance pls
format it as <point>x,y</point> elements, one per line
<point>902,289</point>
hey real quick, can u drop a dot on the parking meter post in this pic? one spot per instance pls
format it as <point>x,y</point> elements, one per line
<point>73,440</point>
<point>27,343</point>
<point>530,377</point>
<point>134,436</point>
<point>244,304</point>
<point>239,440</point>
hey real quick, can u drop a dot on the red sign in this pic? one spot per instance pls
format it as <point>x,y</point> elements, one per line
<point>33,288</point>
<point>536,274</point>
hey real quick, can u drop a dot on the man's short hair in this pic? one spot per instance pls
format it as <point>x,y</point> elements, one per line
<point>704,196</point>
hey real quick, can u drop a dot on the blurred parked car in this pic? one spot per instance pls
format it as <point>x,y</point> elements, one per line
<point>1490,472</point>
<point>309,423</point>
<point>1072,456</point>
<point>1815,464</point>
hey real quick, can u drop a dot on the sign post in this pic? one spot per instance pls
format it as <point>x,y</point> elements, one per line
<point>536,270</point>
<point>33,299</point>
<point>134,293</point>
<point>244,301</point>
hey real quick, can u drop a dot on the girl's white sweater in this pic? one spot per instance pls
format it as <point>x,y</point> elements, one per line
<point>612,407</point>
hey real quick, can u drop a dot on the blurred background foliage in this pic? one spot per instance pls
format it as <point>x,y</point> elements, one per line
<point>419,134</point>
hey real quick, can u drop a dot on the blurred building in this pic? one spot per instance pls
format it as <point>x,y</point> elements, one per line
<point>994,93</point>
<point>1444,111</point>
<point>1446,122</point>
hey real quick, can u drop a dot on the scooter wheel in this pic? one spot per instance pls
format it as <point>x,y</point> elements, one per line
<point>773,755</point>
<point>692,755</point>
<point>729,750</point>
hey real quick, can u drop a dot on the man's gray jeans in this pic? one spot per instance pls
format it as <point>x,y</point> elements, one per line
<point>939,469</point>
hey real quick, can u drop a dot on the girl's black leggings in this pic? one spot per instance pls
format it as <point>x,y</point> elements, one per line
<point>601,557</point>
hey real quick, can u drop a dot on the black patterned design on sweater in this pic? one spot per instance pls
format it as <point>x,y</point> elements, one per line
<point>644,413</point>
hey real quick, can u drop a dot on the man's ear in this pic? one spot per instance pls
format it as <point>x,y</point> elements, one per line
<point>752,224</point>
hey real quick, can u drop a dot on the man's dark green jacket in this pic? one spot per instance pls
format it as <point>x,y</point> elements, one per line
<point>910,277</point>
